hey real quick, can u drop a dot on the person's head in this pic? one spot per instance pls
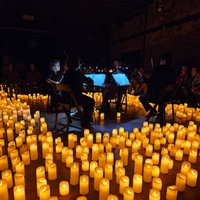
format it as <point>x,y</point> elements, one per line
<point>165,59</point>
<point>32,66</point>
<point>184,69</point>
<point>117,63</point>
<point>55,65</point>
<point>194,71</point>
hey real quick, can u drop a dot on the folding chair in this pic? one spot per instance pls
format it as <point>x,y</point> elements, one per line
<point>71,102</point>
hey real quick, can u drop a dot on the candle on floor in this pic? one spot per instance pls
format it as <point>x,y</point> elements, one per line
<point>172,192</point>
<point>101,116</point>
<point>192,156</point>
<point>19,167</point>
<point>192,177</point>
<point>147,174</point>
<point>164,166</point>
<point>19,192</point>
<point>10,135</point>
<point>3,162</point>
<point>19,179</point>
<point>40,172</point>
<point>98,175</point>
<point>7,175</point>
<point>52,171</point>
<point>26,158</point>
<point>64,188</point>
<point>78,151</point>
<point>124,182</point>
<point>155,158</point>
<point>180,182</point>
<point>102,160</point>
<point>149,150</point>
<point>85,165</point>
<point>95,152</point>
<point>157,184</point>
<point>33,151</point>
<point>40,182</point>
<point>138,164</point>
<point>112,197</point>
<point>69,160</point>
<point>137,183</point>
<point>84,185</point>
<point>109,171</point>
<point>74,173</point>
<point>128,193</point>
<point>3,190</point>
<point>44,192</point>
<point>98,138</point>
<point>120,172</point>
<point>45,149</point>
<point>154,194</point>
<point>185,168</point>
<point>124,156</point>
<point>104,189</point>
<point>155,171</point>
<point>93,165</point>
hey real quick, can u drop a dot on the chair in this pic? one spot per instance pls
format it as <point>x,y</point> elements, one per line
<point>170,89</point>
<point>70,103</point>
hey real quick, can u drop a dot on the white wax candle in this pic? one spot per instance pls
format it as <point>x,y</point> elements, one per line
<point>180,182</point>
<point>64,188</point>
<point>98,175</point>
<point>109,171</point>
<point>172,192</point>
<point>40,172</point>
<point>7,175</point>
<point>192,177</point>
<point>138,164</point>
<point>137,183</point>
<point>124,182</point>
<point>74,173</point>
<point>44,192</point>
<point>84,185</point>
<point>19,192</point>
<point>52,171</point>
<point>154,194</point>
<point>19,179</point>
<point>104,189</point>
<point>3,189</point>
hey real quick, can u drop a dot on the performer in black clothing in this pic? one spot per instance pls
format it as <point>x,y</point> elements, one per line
<point>161,76</point>
<point>76,79</point>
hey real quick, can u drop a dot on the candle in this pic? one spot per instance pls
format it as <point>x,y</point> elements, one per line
<point>104,189</point>
<point>3,190</point>
<point>74,173</point>
<point>19,141</point>
<point>109,171</point>
<point>98,137</point>
<point>52,171</point>
<point>64,188</point>
<point>157,184</point>
<point>118,115</point>
<point>71,140</point>
<point>112,197</point>
<point>147,175</point>
<point>149,150</point>
<point>14,161</point>
<point>155,158</point>
<point>40,172</point>
<point>3,162</point>
<point>84,185</point>
<point>101,116</point>
<point>192,156</point>
<point>138,164</point>
<point>108,147</point>
<point>44,192</point>
<point>45,149</point>
<point>19,167</point>
<point>155,171</point>
<point>85,165</point>
<point>17,127</point>
<point>14,153</point>
<point>26,158</point>
<point>180,182</point>
<point>124,182</point>
<point>69,160</point>
<point>128,193</point>
<point>90,140</point>
<point>95,152</point>
<point>19,179</point>
<point>19,192</point>
<point>187,146</point>
<point>102,160</point>
<point>121,142</point>
<point>120,172</point>
<point>154,194</point>
<point>40,182</point>
<point>98,175</point>
<point>78,151</point>
<point>172,192</point>
<point>185,168</point>
<point>10,135</point>
<point>157,144</point>
<point>33,151</point>
<point>164,166</point>
<point>93,165</point>
<point>7,175</point>
<point>53,198</point>
<point>179,155</point>
<point>137,183</point>
<point>192,177</point>
<point>124,156</point>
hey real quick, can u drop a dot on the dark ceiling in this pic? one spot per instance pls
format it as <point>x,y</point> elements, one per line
<point>82,12</point>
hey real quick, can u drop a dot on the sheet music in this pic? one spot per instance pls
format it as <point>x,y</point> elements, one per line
<point>121,79</point>
<point>98,79</point>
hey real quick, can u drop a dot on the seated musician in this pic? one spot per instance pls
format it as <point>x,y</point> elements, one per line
<point>76,79</point>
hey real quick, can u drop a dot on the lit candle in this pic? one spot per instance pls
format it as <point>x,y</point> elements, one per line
<point>124,156</point>
<point>101,116</point>
<point>187,146</point>
<point>85,165</point>
<point>93,165</point>
<point>7,175</point>
<point>128,193</point>
<point>19,141</point>
<point>14,153</point>
<point>19,179</point>
<point>180,182</point>
<point>3,189</point>
<point>64,188</point>
<point>109,171</point>
<point>121,142</point>
<point>71,140</point>
<point>172,192</point>
<point>98,138</point>
<point>44,192</point>
<point>40,182</point>
<point>3,162</point>
<point>179,155</point>
<point>10,135</point>
<point>185,168</point>
<point>164,166</point>
<point>78,151</point>
<point>154,194</point>
<point>155,158</point>
<point>19,167</point>
<point>102,160</point>
<point>147,174</point>
<point>124,182</point>
<point>19,192</point>
<point>45,149</point>
<point>157,184</point>
<point>192,156</point>
<point>149,150</point>
<point>81,198</point>
<point>138,164</point>
<point>157,144</point>
<point>90,140</point>
<point>120,172</point>
<point>33,151</point>
<point>84,185</point>
<point>74,173</point>
<point>52,171</point>
<point>112,197</point>
<point>69,160</point>
<point>95,152</point>
<point>137,183</point>
<point>104,189</point>
<point>155,171</point>
<point>40,172</point>
<point>98,175</point>
<point>192,177</point>
<point>26,158</point>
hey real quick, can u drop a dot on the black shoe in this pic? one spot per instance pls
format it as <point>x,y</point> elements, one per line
<point>151,114</point>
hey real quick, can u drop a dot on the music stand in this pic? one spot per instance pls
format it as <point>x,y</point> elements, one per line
<point>121,79</point>
<point>98,79</point>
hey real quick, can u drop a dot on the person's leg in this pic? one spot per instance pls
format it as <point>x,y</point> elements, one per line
<point>145,99</point>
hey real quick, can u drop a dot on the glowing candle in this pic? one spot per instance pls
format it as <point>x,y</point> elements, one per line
<point>93,165</point>
<point>104,189</point>
<point>101,116</point>
<point>138,164</point>
<point>85,165</point>
<point>14,153</point>
<point>154,194</point>
<point>17,127</point>
<point>44,128</point>
<point>124,156</point>
<point>3,162</point>
<point>180,182</point>
<point>149,150</point>
<point>10,135</point>
<point>78,151</point>
<point>172,192</point>
<point>69,160</point>
<point>90,140</point>
<point>102,160</point>
<point>124,182</point>
<point>64,188</point>
<point>3,190</point>
<point>120,172</point>
<point>95,152</point>
<point>137,183</point>
<point>84,185</point>
<point>155,158</point>
<point>44,192</point>
<point>192,156</point>
<point>81,198</point>
<point>157,144</point>
<point>98,138</point>
<point>164,166</point>
<point>179,155</point>
<point>7,175</point>
<point>52,171</point>
<point>121,142</point>
<point>45,149</point>
<point>74,173</point>
<point>33,151</point>
<point>19,167</point>
<point>19,141</point>
<point>128,193</point>
<point>187,146</point>
<point>112,197</point>
<point>19,192</point>
<point>192,177</point>
<point>185,168</point>
<point>40,172</point>
<point>71,140</point>
<point>26,158</point>
<point>155,171</point>
<point>157,184</point>
<point>40,182</point>
<point>19,179</point>
<point>147,174</point>
<point>98,175</point>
